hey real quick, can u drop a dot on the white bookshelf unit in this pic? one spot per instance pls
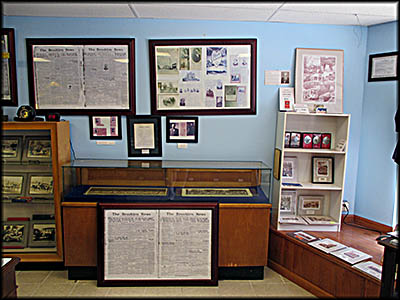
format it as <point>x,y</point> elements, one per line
<point>329,195</point>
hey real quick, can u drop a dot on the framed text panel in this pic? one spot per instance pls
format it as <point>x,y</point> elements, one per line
<point>157,244</point>
<point>203,76</point>
<point>82,76</point>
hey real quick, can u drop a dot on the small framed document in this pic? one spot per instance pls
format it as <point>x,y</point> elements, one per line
<point>286,99</point>
<point>105,127</point>
<point>322,169</point>
<point>383,66</point>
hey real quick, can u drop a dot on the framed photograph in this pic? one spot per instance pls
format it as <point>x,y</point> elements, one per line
<point>81,76</point>
<point>13,185</point>
<point>295,140</point>
<point>277,163</point>
<point>310,205</point>
<point>292,219</point>
<point>15,233</point>
<point>326,140</point>
<point>144,136</point>
<point>370,268</point>
<point>316,141</point>
<point>383,66</point>
<point>42,233</point>
<point>327,245</point>
<point>203,76</point>
<point>302,236</point>
<point>287,139</point>
<point>307,139</point>
<point>37,148</point>
<point>182,254</point>
<point>40,185</point>
<point>320,220</point>
<point>289,169</point>
<point>286,99</point>
<point>182,129</point>
<point>9,92</point>
<point>288,202</point>
<point>319,78</point>
<point>105,127</point>
<point>351,255</point>
<point>11,148</point>
<point>322,169</point>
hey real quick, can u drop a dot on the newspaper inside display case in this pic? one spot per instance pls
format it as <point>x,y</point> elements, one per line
<point>113,181</point>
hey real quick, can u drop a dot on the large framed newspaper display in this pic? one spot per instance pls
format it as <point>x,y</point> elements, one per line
<point>203,76</point>
<point>9,93</point>
<point>157,244</point>
<point>81,76</point>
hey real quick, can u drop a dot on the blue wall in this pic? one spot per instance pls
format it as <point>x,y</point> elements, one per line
<point>376,183</point>
<point>249,137</point>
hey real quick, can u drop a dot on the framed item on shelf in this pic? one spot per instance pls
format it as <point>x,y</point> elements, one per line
<point>351,255</point>
<point>13,184</point>
<point>295,139</point>
<point>42,233</point>
<point>316,141</point>
<point>105,127</point>
<point>289,169</point>
<point>307,139</point>
<point>9,92</point>
<point>326,140</point>
<point>292,219</point>
<point>15,233</point>
<point>37,148</point>
<point>203,76</point>
<point>310,205</point>
<point>320,220</point>
<point>370,268</point>
<point>144,136</point>
<point>288,202</point>
<point>182,129</point>
<point>302,236</point>
<point>383,66</point>
<point>287,139</point>
<point>322,169</point>
<point>277,163</point>
<point>327,245</point>
<point>40,185</point>
<point>98,76</point>
<point>11,148</point>
<point>319,78</point>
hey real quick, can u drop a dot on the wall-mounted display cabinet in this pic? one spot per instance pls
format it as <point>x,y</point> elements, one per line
<point>32,155</point>
<point>241,189</point>
<point>309,171</point>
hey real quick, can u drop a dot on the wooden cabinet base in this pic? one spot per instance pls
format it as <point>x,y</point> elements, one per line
<point>321,274</point>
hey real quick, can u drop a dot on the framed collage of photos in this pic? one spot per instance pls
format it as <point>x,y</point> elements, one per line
<point>182,129</point>
<point>42,233</point>
<point>37,148</point>
<point>144,136</point>
<point>319,78</point>
<point>105,127</point>
<point>15,233</point>
<point>11,148</point>
<point>203,76</point>
<point>322,169</point>
<point>9,92</point>
<point>99,76</point>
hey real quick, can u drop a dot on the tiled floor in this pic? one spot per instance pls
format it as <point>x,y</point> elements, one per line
<point>56,284</point>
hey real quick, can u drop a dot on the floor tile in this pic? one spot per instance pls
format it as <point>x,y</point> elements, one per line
<point>134,291</point>
<point>232,288</point>
<point>165,291</point>
<point>26,289</point>
<point>31,276</point>
<point>89,289</point>
<point>54,289</point>
<point>201,291</point>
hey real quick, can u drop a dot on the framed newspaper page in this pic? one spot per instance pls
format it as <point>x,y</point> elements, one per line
<point>157,244</point>
<point>203,76</point>
<point>9,92</point>
<point>81,76</point>
<point>319,78</point>
<point>383,66</point>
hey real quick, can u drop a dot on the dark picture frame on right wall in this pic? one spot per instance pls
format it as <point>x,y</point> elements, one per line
<point>383,66</point>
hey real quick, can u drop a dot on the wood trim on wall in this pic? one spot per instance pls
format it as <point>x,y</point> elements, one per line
<point>354,219</point>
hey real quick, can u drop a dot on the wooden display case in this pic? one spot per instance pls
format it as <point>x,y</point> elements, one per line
<point>25,206</point>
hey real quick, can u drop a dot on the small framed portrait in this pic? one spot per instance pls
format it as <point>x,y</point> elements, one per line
<point>182,129</point>
<point>310,205</point>
<point>288,202</point>
<point>316,141</point>
<point>322,169</point>
<point>11,148</point>
<point>15,233</point>
<point>105,127</point>
<point>287,139</point>
<point>295,140</point>
<point>42,233</point>
<point>40,185</point>
<point>13,185</point>
<point>307,140</point>
<point>326,140</point>
<point>37,149</point>
<point>289,169</point>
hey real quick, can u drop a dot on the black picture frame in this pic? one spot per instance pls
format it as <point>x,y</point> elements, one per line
<point>182,129</point>
<point>109,212</point>
<point>15,233</point>
<point>323,170</point>
<point>11,148</point>
<point>388,61</point>
<point>37,149</point>
<point>144,136</point>
<point>13,185</point>
<point>40,186</point>
<point>9,72</point>
<point>100,98</point>
<point>231,95</point>
<point>295,140</point>
<point>105,127</point>
<point>42,233</point>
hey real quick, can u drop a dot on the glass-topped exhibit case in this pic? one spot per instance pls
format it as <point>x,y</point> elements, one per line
<point>96,180</point>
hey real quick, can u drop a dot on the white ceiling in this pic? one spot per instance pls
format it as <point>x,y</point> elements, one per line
<point>334,13</point>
